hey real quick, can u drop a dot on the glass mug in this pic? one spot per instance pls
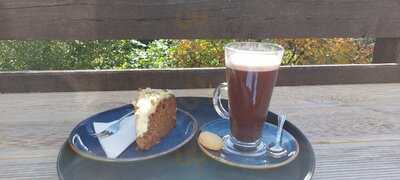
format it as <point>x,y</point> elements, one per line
<point>251,73</point>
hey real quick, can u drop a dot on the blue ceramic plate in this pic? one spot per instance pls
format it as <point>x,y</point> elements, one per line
<point>89,146</point>
<point>221,128</point>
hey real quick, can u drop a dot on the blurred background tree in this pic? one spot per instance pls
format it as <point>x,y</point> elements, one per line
<point>326,51</point>
<point>198,53</point>
<point>127,54</point>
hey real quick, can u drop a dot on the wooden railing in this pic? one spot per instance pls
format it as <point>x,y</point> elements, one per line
<point>94,80</point>
<point>153,19</point>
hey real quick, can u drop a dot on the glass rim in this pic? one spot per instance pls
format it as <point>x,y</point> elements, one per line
<point>277,48</point>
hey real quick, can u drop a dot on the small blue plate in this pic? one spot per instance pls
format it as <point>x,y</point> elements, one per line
<point>221,127</point>
<point>88,146</point>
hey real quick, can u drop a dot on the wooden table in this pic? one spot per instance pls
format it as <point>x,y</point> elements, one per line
<point>354,129</point>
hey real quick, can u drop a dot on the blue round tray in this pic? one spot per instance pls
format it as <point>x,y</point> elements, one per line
<point>188,162</point>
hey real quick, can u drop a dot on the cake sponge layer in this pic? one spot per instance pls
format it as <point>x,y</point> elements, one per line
<point>155,116</point>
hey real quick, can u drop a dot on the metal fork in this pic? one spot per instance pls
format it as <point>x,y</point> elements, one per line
<point>113,128</point>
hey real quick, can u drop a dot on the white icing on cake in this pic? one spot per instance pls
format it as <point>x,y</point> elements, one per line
<point>146,104</point>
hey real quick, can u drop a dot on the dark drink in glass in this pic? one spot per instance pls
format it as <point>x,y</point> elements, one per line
<point>249,96</point>
<point>251,73</point>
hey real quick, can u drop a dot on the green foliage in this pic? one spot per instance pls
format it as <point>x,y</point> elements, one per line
<point>198,53</point>
<point>104,54</point>
<point>326,51</point>
<point>154,55</point>
<point>27,55</point>
<point>126,54</point>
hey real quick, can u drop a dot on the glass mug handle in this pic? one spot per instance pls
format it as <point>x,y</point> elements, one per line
<point>219,108</point>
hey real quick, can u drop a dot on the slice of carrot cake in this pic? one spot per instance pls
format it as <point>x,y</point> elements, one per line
<point>155,116</point>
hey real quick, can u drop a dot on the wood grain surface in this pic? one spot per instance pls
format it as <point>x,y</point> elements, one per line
<point>185,78</point>
<point>386,50</point>
<point>354,129</point>
<point>152,19</point>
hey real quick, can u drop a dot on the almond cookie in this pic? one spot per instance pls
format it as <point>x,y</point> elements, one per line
<point>210,141</point>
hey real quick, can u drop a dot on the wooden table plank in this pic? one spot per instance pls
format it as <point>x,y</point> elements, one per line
<point>363,160</point>
<point>354,128</point>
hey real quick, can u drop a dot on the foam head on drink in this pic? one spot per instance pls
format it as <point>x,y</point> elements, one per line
<point>253,61</point>
<point>251,78</point>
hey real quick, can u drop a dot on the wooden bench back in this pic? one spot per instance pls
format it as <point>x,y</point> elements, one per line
<point>188,19</point>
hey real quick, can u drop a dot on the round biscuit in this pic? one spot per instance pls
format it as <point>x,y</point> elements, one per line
<point>210,141</point>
